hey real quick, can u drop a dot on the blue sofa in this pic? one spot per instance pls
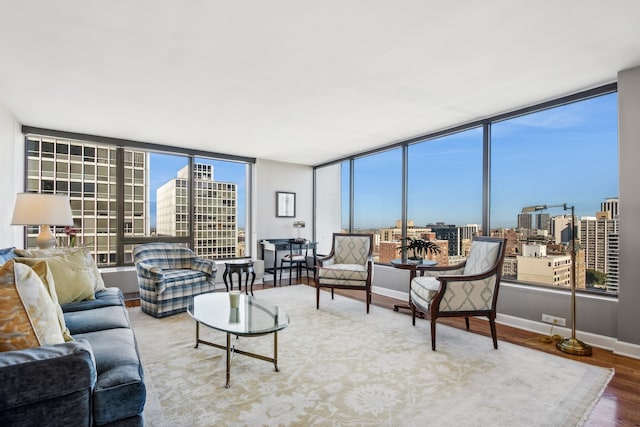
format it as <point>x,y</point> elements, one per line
<point>97,379</point>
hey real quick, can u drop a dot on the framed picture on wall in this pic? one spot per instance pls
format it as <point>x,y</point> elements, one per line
<point>285,204</point>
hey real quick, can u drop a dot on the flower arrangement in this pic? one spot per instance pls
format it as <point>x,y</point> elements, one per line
<point>71,233</point>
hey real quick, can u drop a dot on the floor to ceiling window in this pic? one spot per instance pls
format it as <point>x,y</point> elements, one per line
<point>563,155</point>
<point>444,200</point>
<point>377,195</point>
<point>541,159</point>
<point>123,195</point>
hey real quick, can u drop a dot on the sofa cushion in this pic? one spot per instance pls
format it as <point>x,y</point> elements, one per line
<point>106,298</point>
<point>98,319</point>
<point>119,392</point>
<point>29,317</point>
<point>86,256</point>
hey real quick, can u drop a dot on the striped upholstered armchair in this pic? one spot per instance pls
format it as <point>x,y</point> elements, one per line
<point>169,275</point>
<point>466,289</point>
<point>348,266</point>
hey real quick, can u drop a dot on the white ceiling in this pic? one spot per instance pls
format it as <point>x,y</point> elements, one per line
<point>298,80</point>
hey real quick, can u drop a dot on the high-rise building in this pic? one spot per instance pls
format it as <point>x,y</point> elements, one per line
<point>214,207</point>
<point>86,172</point>
<point>450,233</point>
<point>561,229</point>
<point>613,263</point>
<point>611,205</point>
<point>525,220</point>
<point>599,240</point>
<point>469,231</point>
<point>534,221</point>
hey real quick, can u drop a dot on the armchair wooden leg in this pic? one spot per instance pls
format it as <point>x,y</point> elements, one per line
<point>494,333</point>
<point>413,315</point>
<point>368,297</point>
<point>466,322</point>
<point>317,297</point>
<point>433,334</point>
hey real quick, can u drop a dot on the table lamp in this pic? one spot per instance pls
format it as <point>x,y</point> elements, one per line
<point>298,225</point>
<point>43,210</point>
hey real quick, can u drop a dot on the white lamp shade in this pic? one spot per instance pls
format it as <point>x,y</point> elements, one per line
<point>40,209</point>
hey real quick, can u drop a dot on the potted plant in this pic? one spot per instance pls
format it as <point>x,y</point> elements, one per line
<point>419,248</point>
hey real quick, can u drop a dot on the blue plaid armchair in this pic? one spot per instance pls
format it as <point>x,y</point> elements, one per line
<point>169,275</point>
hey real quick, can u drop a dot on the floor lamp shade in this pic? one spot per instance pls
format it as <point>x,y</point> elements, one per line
<point>43,210</point>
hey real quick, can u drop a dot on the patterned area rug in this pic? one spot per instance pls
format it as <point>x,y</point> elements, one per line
<point>342,367</point>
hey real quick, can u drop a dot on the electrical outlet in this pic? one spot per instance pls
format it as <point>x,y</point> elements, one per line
<point>560,321</point>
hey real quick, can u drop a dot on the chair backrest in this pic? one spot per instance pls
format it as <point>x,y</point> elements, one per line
<point>164,255</point>
<point>485,252</point>
<point>352,248</point>
<point>298,248</point>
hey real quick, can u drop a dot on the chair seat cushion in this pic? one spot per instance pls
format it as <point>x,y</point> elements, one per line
<point>181,277</point>
<point>423,290</point>
<point>343,272</point>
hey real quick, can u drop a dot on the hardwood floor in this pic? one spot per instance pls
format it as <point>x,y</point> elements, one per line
<point>620,402</point>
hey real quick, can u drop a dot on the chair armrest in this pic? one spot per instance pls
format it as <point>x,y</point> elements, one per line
<point>37,381</point>
<point>207,266</point>
<point>150,272</point>
<point>467,278</point>
<point>435,271</point>
<point>325,261</point>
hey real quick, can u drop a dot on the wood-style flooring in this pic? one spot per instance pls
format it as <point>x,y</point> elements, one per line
<point>620,402</point>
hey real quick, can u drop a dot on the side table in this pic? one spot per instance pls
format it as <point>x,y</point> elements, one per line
<point>412,266</point>
<point>239,267</point>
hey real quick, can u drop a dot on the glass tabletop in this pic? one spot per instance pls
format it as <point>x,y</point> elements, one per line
<point>252,317</point>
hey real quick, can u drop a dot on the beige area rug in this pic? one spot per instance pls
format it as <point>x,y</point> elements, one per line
<point>342,367</point>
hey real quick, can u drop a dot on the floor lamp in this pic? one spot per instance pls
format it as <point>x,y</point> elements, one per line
<point>568,345</point>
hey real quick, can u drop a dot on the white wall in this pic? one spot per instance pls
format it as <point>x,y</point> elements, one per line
<point>328,217</point>
<point>273,176</point>
<point>11,177</point>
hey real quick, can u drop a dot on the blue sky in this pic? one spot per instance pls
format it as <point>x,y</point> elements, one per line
<point>564,155</point>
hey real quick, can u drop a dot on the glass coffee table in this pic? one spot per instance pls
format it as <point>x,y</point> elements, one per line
<point>252,318</point>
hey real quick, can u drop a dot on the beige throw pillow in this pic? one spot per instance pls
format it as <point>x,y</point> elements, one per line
<point>92,268</point>
<point>73,282</point>
<point>28,314</point>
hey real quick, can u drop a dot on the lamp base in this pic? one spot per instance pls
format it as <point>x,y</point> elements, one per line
<point>574,346</point>
<point>46,239</point>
